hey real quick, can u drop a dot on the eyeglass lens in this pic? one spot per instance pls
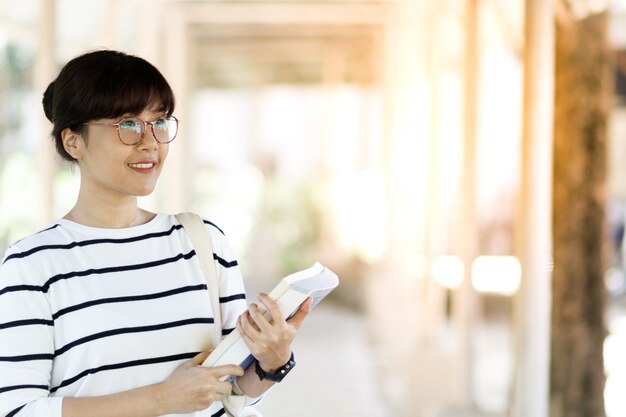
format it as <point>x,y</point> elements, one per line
<point>163,129</point>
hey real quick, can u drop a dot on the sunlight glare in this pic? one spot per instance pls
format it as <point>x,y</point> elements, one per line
<point>615,368</point>
<point>448,270</point>
<point>360,210</point>
<point>496,274</point>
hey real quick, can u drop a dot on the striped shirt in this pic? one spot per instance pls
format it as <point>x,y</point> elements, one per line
<point>87,311</point>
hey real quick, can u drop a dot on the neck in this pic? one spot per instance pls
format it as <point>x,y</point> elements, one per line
<point>91,210</point>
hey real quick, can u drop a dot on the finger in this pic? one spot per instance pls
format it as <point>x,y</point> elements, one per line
<point>301,314</point>
<point>224,388</point>
<point>250,343</point>
<point>196,360</point>
<point>259,319</point>
<point>273,308</point>
<point>227,370</point>
<point>307,304</point>
<point>242,332</point>
<point>248,326</point>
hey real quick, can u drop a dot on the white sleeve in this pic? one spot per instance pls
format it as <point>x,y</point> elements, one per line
<point>231,287</point>
<point>43,407</point>
<point>26,343</point>
<point>232,305</point>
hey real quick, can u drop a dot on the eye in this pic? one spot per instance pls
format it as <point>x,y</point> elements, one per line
<point>130,125</point>
<point>160,124</point>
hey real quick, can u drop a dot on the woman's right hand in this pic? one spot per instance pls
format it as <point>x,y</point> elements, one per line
<point>192,387</point>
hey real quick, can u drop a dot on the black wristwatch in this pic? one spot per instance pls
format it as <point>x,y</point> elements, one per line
<point>280,373</point>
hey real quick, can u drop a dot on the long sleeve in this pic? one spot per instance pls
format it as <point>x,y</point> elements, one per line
<point>230,282</point>
<point>232,303</point>
<point>26,344</point>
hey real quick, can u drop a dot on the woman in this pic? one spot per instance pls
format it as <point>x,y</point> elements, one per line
<point>106,312</point>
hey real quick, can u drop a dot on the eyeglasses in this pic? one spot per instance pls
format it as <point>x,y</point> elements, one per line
<point>131,130</point>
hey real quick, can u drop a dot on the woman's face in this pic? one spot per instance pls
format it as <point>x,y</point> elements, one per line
<point>109,167</point>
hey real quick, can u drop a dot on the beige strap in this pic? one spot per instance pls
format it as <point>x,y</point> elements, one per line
<point>195,229</point>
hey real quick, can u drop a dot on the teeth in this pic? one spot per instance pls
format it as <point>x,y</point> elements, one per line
<point>141,166</point>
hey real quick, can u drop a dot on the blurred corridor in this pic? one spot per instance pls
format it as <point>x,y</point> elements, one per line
<point>332,379</point>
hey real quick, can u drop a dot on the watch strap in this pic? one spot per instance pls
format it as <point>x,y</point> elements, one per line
<point>280,373</point>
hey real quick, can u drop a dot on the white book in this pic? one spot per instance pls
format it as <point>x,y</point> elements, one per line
<point>316,281</point>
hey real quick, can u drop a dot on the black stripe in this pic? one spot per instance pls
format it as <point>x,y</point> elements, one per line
<point>25,358</point>
<point>98,241</point>
<point>128,298</point>
<point>93,271</point>
<point>232,298</point>
<point>46,287</point>
<point>226,332</point>
<point>41,231</point>
<point>16,387</point>
<point>14,412</point>
<point>21,288</point>
<point>30,322</point>
<point>214,225</point>
<point>256,402</point>
<point>127,330</point>
<point>110,269</point>
<point>92,242</point>
<point>225,263</point>
<point>54,226</point>
<point>122,365</point>
<point>219,413</point>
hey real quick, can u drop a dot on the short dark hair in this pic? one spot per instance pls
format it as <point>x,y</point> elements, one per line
<point>103,84</point>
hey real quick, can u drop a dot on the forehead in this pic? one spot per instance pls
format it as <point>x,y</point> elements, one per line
<point>150,113</point>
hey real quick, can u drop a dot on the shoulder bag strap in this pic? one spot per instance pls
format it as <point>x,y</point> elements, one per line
<point>195,229</point>
<point>234,405</point>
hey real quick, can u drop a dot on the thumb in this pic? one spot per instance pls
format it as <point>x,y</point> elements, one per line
<point>303,311</point>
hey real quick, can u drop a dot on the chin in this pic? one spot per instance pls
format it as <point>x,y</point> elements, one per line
<point>142,192</point>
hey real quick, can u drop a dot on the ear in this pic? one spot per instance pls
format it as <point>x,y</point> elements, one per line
<point>73,143</point>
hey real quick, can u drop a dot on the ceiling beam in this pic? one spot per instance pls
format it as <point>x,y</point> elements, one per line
<point>372,13</point>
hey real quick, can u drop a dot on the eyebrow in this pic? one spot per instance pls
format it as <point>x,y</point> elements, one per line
<point>136,116</point>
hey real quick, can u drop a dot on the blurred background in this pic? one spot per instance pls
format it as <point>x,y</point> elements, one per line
<point>381,138</point>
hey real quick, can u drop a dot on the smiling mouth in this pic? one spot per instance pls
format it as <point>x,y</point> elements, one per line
<point>142,165</point>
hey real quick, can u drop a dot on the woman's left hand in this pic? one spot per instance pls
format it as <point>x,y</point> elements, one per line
<point>270,341</point>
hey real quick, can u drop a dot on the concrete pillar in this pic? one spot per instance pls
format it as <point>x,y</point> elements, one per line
<point>176,179</point>
<point>533,232</point>
<point>464,299</point>
<point>44,71</point>
<point>147,44</point>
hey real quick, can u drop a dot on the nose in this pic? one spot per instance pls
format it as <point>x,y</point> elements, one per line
<point>148,139</point>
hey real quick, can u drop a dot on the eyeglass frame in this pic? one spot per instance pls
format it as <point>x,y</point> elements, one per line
<point>144,128</point>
